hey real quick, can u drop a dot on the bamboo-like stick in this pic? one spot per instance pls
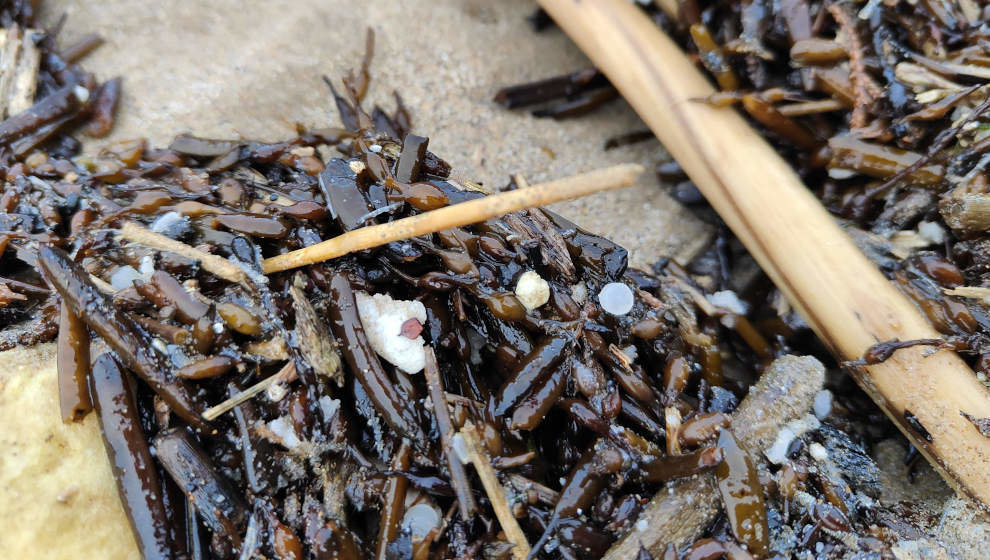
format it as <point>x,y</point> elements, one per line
<point>496,494</point>
<point>284,374</point>
<point>25,75</point>
<point>845,299</point>
<point>972,292</point>
<point>470,212</point>
<point>220,266</point>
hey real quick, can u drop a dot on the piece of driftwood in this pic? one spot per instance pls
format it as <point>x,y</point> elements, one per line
<point>20,60</point>
<point>680,513</point>
<point>845,299</point>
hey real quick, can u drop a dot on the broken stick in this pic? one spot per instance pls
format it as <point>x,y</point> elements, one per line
<point>284,374</point>
<point>465,213</point>
<point>212,263</point>
<point>496,494</point>
<point>458,476</point>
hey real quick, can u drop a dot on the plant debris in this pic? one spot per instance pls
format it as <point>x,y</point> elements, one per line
<point>881,109</point>
<point>250,414</point>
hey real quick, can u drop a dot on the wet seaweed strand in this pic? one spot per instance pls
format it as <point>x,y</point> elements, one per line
<point>897,145</point>
<point>572,392</point>
<point>189,334</point>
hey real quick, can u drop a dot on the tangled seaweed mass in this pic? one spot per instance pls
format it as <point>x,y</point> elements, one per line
<point>484,389</point>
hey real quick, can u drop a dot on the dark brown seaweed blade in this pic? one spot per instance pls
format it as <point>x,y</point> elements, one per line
<point>220,507</point>
<point>130,457</point>
<point>73,366</point>
<point>364,363</point>
<point>55,106</point>
<point>742,495</point>
<point>132,344</point>
<point>550,89</point>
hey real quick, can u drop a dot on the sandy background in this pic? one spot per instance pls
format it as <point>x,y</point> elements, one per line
<point>233,69</point>
<point>236,69</point>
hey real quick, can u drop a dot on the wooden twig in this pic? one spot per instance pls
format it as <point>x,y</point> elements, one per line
<point>810,107</point>
<point>972,292</point>
<point>967,212</point>
<point>458,476</point>
<point>25,79</point>
<point>863,85</point>
<point>496,494</point>
<point>470,212</point>
<point>669,7</point>
<point>845,299</point>
<point>284,374</point>
<point>219,266</point>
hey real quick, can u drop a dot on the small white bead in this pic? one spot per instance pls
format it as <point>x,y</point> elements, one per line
<point>616,298</point>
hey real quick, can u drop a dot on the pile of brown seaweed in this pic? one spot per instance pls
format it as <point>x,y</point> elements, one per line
<point>332,412</point>
<point>879,106</point>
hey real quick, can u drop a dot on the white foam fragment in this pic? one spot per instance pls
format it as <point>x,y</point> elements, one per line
<point>276,392</point>
<point>823,404</point>
<point>616,298</point>
<point>727,299</point>
<point>147,267</point>
<point>817,452</point>
<point>419,520</point>
<point>931,232</point>
<point>840,173</point>
<point>777,452</point>
<point>283,430</point>
<point>642,525</point>
<point>329,407</point>
<point>532,290</point>
<point>382,318</point>
<point>164,221</point>
<point>476,341</point>
<point>460,448</point>
<point>804,500</point>
<point>124,277</point>
<point>579,293</point>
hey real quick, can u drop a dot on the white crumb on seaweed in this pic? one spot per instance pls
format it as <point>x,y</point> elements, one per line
<point>532,290</point>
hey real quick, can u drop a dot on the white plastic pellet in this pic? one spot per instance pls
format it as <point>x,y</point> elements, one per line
<point>124,277</point>
<point>616,298</point>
